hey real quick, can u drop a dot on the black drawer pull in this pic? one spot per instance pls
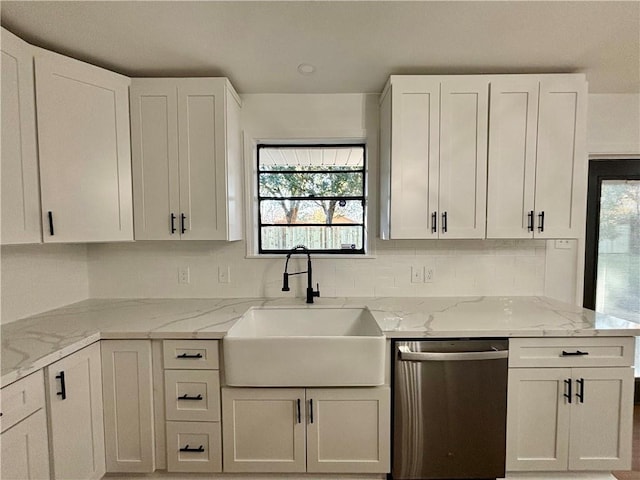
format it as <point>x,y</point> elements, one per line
<point>567,393</point>
<point>580,392</point>
<point>63,386</point>
<point>541,221</point>
<point>188,355</point>
<point>311,410</point>
<point>577,353</point>
<point>187,397</point>
<point>434,222</point>
<point>186,448</point>
<point>530,221</point>
<point>183,218</point>
<point>50,215</point>
<point>444,222</point>
<point>173,224</point>
<point>299,419</point>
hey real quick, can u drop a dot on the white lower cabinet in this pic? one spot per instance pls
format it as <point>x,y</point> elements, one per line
<point>24,446</point>
<point>25,451</point>
<point>571,418</point>
<point>128,405</point>
<point>315,430</point>
<point>76,415</point>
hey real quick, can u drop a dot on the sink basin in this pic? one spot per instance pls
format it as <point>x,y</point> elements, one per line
<point>304,347</point>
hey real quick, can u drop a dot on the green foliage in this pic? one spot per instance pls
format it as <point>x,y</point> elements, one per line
<point>314,186</point>
<point>619,205</point>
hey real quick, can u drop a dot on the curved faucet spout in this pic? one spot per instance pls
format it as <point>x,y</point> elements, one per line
<point>309,271</point>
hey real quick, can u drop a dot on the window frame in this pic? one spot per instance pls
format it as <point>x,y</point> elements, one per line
<point>599,170</point>
<point>359,252</point>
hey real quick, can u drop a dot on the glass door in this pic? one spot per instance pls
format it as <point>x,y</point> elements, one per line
<point>612,257</point>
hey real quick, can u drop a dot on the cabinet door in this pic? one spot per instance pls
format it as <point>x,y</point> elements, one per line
<point>201,134</point>
<point>77,432</point>
<point>128,405</point>
<point>561,165</point>
<point>512,157</point>
<point>25,450</point>
<point>263,429</point>
<point>348,430</point>
<point>538,417</point>
<point>601,419</point>
<point>464,114</point>
<point>414,156</point>
<point>154,150</point>
<point>84,150</point>
<point>20,187</point>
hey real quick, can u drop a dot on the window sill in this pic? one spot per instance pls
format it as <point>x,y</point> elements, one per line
<point>315,256</point>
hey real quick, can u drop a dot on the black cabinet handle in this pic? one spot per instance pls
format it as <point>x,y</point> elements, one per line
<point>50,215</point>
<point>434,222</point>
<point>567,393</point>
<point>541,221</point>
<point>186,448</point>
<point>299,417</point>
<point>63,386</point>
<point>444,222</point>
<point>577,353</point>
<point>530,221</point>
<point>187,397</point>
<point>311,410</point>
<point>173,224</point>
<point>580,392</point>
<point>187,356</point>
<point>183,217</point>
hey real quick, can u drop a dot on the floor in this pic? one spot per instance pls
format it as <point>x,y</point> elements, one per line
<point>635,466</point>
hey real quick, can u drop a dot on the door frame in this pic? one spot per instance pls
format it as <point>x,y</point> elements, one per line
<point>599,170</point>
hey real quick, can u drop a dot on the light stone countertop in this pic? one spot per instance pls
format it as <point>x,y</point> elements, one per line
<point>37,341</point>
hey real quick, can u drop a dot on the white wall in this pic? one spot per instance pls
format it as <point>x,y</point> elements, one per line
<point>613,124</point>
<point>36,278</point>
<point>482,267</point>
<point>463,267</point>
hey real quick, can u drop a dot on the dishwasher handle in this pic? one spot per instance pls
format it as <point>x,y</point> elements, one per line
<point>405,354</point>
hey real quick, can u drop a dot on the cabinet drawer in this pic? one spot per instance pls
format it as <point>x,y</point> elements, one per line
<point>571,352</point>
<point>192,395</point>
<point>192,354</point>
<point>21,399</point>
<point>203,439</point>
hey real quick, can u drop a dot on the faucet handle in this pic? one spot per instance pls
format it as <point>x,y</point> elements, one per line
<point>317,292</point>
<point>285,282</point>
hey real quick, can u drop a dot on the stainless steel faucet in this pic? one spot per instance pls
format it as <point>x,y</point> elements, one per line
<point>285,276</point>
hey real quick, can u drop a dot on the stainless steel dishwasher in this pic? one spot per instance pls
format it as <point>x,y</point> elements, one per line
<point>450,409</point>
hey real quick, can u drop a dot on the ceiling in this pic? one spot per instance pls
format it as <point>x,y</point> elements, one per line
<point>354,45</point>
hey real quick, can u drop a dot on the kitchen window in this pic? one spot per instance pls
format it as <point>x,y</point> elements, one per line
<point>311,195</point>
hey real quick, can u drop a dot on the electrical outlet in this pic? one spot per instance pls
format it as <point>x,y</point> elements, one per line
<point>563,244</point>
<point>417,274</point>
<point>224,274</point>
<point>429,274</point>
<point>183,275</point>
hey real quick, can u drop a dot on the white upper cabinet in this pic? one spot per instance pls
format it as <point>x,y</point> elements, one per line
<point>187,166</point>
<point>464,106</point>
<point>84,149</point>
<point>537,158</point>
<point>433,157</point>
<point>20,187</point>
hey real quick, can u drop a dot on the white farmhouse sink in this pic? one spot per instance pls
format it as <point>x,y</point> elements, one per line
<point>304,347</point>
